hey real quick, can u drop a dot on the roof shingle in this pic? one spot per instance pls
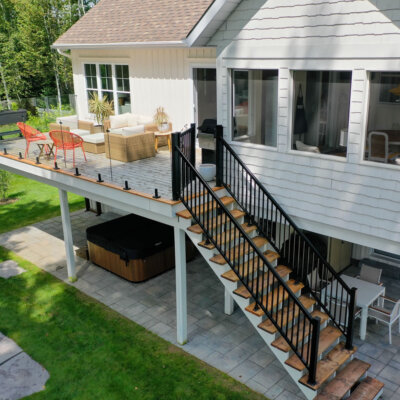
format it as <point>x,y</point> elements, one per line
<point>127,21</point>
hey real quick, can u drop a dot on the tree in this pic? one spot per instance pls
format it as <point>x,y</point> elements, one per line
<point>30,67</point>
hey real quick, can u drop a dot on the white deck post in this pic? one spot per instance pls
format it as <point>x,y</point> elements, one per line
<point>66,223</point>
<point>229,307</point>
<point>181,291</point>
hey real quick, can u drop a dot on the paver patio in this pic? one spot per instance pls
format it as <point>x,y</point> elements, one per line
<point>228,343</point>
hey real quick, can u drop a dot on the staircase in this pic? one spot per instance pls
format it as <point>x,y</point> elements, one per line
<point>266,264</point>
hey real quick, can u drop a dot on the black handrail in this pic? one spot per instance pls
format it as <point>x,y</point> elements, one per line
<point>296,250</point>
<point>267,289</point>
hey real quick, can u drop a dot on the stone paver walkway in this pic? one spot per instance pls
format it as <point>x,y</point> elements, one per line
<point>228,343</point>
<point>20,376</point>
<point>9,269</point>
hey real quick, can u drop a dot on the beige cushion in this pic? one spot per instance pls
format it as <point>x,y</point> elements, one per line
<point>95,138</point>
<point>144,119</point>
<point>70,120</point>
<point>117,131</point>
<point>131,130</point>
<point>80,132</point>
<point>132,120</point>
<point>118,121</point>
<point>305,147</point>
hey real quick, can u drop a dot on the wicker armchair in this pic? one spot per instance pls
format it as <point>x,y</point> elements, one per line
<point>129,148</point>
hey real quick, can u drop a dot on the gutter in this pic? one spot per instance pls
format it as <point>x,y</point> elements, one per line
<point>63,53</point>
<point>66,46</point>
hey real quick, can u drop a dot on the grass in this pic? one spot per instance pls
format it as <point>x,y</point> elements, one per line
<point>36,202</point>
<point>91,352</point>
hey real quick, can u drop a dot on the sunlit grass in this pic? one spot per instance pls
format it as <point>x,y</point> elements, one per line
<point>91,352</point>
<point>36,202</point>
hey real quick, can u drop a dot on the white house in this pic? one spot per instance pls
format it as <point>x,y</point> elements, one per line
<point>308,95</point>
<point>344,56</point>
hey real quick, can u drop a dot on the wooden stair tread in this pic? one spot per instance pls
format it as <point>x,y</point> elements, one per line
<point>216,221</point>
<point>214,189</point>
<point>203,208</point>
<point>328,365</point>
<point>303,332</point>
<point>242,248</point>
<point>327,337</point>
<point>367,389</point>
<point>283,320</point>
<point>275,297</point>
<point>344,380</point>
<point>262,283</point>
<point>229,236</point>
<point>230,275</point>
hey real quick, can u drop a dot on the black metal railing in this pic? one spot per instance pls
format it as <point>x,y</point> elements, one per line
<point>267,288</point>
<point>295,249</point>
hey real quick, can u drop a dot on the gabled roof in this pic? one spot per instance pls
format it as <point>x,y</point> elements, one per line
<point>135,22</point>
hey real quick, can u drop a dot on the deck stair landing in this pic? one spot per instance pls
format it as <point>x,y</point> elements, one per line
<point>339,374</point>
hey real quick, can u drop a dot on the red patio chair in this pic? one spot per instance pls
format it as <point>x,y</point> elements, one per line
<point>30,134</point>
<point>66,141</point>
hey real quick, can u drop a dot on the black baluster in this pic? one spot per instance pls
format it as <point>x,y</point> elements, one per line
<point>156,195</point>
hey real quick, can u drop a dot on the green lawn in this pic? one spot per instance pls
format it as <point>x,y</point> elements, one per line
<point>91,352</point>
<point>36,202</point>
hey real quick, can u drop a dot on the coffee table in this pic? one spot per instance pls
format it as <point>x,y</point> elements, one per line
<point>46,147</point>
<point>160,134</point>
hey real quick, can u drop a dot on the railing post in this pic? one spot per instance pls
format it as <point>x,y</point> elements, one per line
<point>193,144</point>
<point>350,322</point>
<point>219,155</point>
<point>176,171</point>
<point>312,373</point>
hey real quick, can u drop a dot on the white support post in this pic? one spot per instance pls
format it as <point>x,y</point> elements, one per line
<point>181,291</point>
<point>66,223</point>
<point>229,307</point>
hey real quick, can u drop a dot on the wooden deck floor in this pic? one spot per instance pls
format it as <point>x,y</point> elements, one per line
<point>143,175</point>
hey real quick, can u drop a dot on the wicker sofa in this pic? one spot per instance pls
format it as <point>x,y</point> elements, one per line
<point>129,148</point>
<point>130,137</point>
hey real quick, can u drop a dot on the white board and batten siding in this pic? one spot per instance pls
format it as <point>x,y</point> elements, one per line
<point>349,199</point>
<point>158,77</point>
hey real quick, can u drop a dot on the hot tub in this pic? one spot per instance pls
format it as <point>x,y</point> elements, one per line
<point>134,247</point>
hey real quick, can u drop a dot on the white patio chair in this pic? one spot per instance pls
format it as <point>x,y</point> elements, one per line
<point>315,282</point>
<point>370,274</point>
<point>340,312</point>
<point>385,315</point>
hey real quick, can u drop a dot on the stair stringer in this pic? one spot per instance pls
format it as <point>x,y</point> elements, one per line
<point>243,303</point>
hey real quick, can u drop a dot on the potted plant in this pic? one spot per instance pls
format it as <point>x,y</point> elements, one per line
<point>161,119</point>
<point>101,108</point>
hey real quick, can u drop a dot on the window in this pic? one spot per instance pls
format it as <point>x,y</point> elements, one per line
<point>321,111</point>
<point>383,128</point>
<point>110,81</point>
<point>255,106</point>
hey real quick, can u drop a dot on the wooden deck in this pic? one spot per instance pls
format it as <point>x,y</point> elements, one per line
<point>143,175</point>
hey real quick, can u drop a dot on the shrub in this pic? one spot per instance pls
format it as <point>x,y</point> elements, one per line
<point>5,180</point>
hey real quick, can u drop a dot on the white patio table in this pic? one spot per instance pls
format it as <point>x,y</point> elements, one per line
<point>367,293</point>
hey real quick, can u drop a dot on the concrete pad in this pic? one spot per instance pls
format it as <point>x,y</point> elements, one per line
<point>10,268</point>
<point>20,377</point>
<point>8,349</point>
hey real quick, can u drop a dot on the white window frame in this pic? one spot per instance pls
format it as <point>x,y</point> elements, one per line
<point>231,94</point>
<point>291,114</point>
<point>114,83</point>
